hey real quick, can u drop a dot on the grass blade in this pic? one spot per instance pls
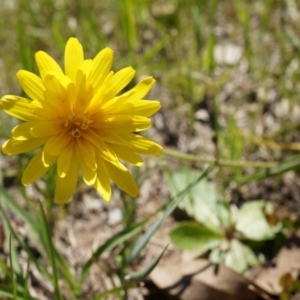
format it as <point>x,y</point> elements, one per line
<point>10,201</point>
<point>111,243</point>
<point>292,163</point>
<point>7,292</point>
<point>139,245</point>
<point>24,246</point>
<point>49,245</point>
<point>115,291</point>
<point>13,281</point>
<point>26,291</point>
<point>143,274</point>
<point>67,275</point>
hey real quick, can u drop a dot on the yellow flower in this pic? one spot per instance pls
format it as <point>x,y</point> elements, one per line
<point>80,122</point>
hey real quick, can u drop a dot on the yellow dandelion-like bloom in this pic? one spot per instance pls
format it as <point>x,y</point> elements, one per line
<point>80,122</point>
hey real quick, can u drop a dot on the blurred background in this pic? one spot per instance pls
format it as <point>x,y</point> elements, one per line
<point>227,76</point>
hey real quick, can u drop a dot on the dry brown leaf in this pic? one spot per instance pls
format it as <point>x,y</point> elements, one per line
<point>202,280</point>
<point>286,262</point>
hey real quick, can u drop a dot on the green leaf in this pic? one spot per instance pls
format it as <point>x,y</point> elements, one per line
<point>195,237</point>
<point>240,257</point>
<point>217,256</point>
<point>252,258</point>
<point>251,222</point>
<point>203,203</point>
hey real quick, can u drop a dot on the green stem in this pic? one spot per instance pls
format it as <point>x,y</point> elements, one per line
<point>220,162</point>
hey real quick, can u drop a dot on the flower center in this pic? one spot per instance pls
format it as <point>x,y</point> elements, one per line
<point>77,124</point>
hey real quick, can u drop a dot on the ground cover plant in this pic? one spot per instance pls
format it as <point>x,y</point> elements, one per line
<point>220,201</point>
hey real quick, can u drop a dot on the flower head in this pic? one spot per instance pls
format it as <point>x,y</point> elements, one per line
<point>80,122</point>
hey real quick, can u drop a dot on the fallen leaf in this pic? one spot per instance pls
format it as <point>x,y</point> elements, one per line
<point>202,280</point>
<point>286,262</point>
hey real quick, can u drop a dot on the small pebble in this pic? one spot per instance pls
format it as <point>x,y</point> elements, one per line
<point>115,216</point>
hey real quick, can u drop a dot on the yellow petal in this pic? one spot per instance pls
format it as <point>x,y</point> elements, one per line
<point>130,123</point>
<point>86,152</point>
<point>32,85</point>
<point>113,137</point>
<point>43,110</point>
<point>98,99</point>
<point>144,108</point>
<point>65,186</point>
<point>52,83</point>
<point>114,103</point>
<point>47,64</point>
<point>70,98</point>
<point>47,128</point>
<point>96,140</point>
<point>118,81</point>
<point>86,67</point>
<point>141,144</point>
<point>60,93</point>
<point>83,95</point>
<point>123,179</point>
<point>56,96</point>
<point>89,175</point>
<point>123,122</point>
<point>64,161</point>
<point>68,85</point>
<point>17,107</point>
<point>47,159</point>
<point>95,102</point>
<point>126,154</point>
<point>101,66</point>
<point>22,131</point>
<point>73,57</point>
<point>13,146</point>
<point>35,169</point>
<point>55,106</point>
<point>141,89</point>
<point>110,136</point>
<point>102,183</point>
<point>80,84</point>
<point>57,144</point>
<point>131,103</point>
